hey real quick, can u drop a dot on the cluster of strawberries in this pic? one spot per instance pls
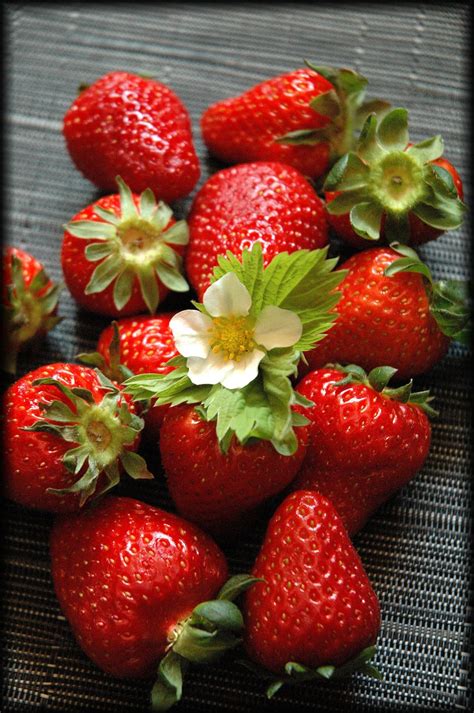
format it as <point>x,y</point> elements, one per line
<point>277,383</point>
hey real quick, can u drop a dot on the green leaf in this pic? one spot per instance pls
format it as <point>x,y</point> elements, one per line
<point>392,132</point>
<point>104,274</point>
<point>236,585</point>
<point>366,219</point>
<point>427,150</point>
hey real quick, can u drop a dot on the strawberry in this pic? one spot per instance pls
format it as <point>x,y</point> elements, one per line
<point>305,118</point>
<point>136,127</point>
<point>389,189</point>
<point>219,491</point>
<point>137,585</point>
<point>122,254</point>
<point>136,345</point>
<point>68,433</point>
<point>366,440</point>
<point>315,614</point>
<point>29,303</point>
<point>269,202</point>
<point>393,312</point>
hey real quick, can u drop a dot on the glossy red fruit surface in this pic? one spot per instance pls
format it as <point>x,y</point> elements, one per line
<point>381,320</point>
<point>126,575</point>
<point>316,605</point>
<point>363,446</point>
<point>135,127</point>
<point>214,489</point>
<point>268,202</point>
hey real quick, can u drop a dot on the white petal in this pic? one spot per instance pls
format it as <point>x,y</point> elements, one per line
<point>276,327</point>
<point>208,371</point>
<point>227,297</point>
<point>190,333</point>
<point>244,371</point>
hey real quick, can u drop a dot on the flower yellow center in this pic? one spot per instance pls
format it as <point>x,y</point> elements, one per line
<point>233,336</point>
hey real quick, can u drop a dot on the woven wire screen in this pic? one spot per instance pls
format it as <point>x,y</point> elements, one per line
<point>416,548</point>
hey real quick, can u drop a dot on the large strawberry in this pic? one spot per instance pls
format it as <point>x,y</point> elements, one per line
<point>393,312</point>
<point>366,440</point>
<point>390,189</point>
<point>122,254</point>
<point>29,303</point>
<point>232,436</point>
<point>136,345</point>
<point>68,435</point>
<point>219,491</point>
<point>305,118</point>
<point>237,206</point>
<point>136,127</point>
<point>315,614</point>
<point>145,592</point>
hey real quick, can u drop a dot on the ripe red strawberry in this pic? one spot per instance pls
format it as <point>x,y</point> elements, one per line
<point>305,119</point>
<point>268,202</point>
<point>389,189</point>
<point>365,441</point>
<point>219,490</point>
<point>29,303</point>
<point>68,434</point>
<point>136,127</point>
<point>136,345</point>
<point>392,312</point>
<point>133,581</point>
<point>315,615</point>
<point>122,254</point>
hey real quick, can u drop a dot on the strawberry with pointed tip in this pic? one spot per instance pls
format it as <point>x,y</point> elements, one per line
<point>29,303</point>
<point>389,189</point>
<point>145,592</point>
<point>305,118</point>
<point>366,440</point>
<point>134,126</point>
<point>69,433</point>
<point>267,202</point>
<point>393,312</point>
<point>136,345</point>
<point>122,254</point>
<point>315,615</point>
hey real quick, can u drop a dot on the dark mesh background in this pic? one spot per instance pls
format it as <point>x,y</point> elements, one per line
<point>416,549</point>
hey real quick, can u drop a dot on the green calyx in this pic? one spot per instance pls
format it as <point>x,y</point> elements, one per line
<point>29,311</point>
<point>100,433</point>
<point>112,368</point>
<point>212,629</point>
<point>303,282</point>
<point>296,673</point>
<point>378,380</point>
<point>136,244</point>
<point>383,176</point>
<point>344,105</point>
<point>449,300</point>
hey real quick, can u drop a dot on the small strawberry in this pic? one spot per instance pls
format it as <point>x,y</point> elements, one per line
<point>305,118</point>
<point>219,491</point>
<point>232,437</point>
<point>136,345</point>
<point>29,303</point>
<point>390,189</point>
<point>315,615</point>
<point>122,254</point>
<point>393,312</point>
<point>144,591</point>
<point>366,440</point>
<point>136,127</point>
<point>68,434</point>
<point>237,206</point>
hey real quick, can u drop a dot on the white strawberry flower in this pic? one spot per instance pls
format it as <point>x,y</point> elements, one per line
<point>226,345</point>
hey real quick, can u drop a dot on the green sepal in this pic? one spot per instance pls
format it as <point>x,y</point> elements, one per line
<point>114,369</point>
<point>100,432</point>
<point>168,687</point>
<point>119,237</point>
